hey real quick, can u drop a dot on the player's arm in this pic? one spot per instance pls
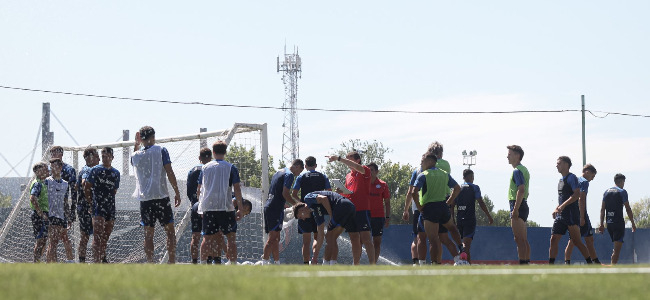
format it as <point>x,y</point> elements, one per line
<point>601,227</point>
<point>582,203</point>
<point>138,142</point>
<point>484,208</point>
<point>353,165</point>
<point>630,215</point>
<point>238,197</point>
<point>286,193</point>
<point>387,210</point>
<point>407,204</point>
<point>36,190</point>
<point>88,192</point>
<point>521,190</point>
<point>573,198</point>
<point>452,198</point>
<point>320,237</point>
<point>416,197</point>
<point>325,202</point>
<point>294,195</point>
<point>172,179</point>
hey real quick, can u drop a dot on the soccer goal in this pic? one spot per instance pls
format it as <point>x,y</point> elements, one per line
<point>247,149</point>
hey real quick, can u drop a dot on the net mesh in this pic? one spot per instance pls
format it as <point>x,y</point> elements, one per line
<point>247,150</point>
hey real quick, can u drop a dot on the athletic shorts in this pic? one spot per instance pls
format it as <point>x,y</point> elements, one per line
<point>377,226</point>
<point>54,221</point>
<point>523,209</point>
<point>560,226</point>
<point>343,215</point>
<point>273,219</point>
<point>616,232</point>
<point>195,218</point>
<point>361,221</point>
<point>159,210</point>
<point>586,230</point>
<point>39,225</point>
<point>219,221</point>
<point>105,209</point>
<point>436,212</point>
<point>467,228</point>
<point>85,219</point>
<point>417,223</point>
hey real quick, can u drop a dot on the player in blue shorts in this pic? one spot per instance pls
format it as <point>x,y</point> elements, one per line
<point>429,193</point>
<point>101,186</point>
<point>614,200</point>
<point>59,212</point>
<point>40,207</point>
<point>84,209</point>
<point>341,211</point>
<point>465,205</point>
<point>307,182</point>
<point>279,195</point>
<point>517,195</point>
<point>567,214</point>
<point>586,231</point>
<point>419,244</point>
<point>205,156</point>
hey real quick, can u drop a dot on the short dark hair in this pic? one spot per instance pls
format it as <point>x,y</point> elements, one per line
<point>90,151</point>
<point>310,161</point>
<point>467,172</point>
<point>247,204</point>
<point>56,149</point>
<point>147,132</point>
<point>39,165</point>
<point>354,154</point>
<point>298,162</point>
<point>373,165</point>
<point>430,155</point>
<point>108,150</point>
<point>619,177</point>
<point>517,149</point>
<point>297,207</point>
<point>436,148</point>
<point>565,159</point>
<point>205,153</point>
<point>589,167</point>
<point>57,161</point>
<point>219,147</point>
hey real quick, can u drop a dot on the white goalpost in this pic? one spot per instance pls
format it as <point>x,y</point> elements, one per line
<point>247,149</point>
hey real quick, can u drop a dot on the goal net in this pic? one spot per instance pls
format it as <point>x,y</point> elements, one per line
<point>247,149</point>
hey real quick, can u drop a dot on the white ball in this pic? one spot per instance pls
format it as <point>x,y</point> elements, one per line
<point>461,263</point>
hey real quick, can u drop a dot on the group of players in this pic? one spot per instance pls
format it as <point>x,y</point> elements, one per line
<point>441,207</point>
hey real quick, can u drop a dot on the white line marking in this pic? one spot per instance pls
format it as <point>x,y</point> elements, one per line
<point>377,273</point>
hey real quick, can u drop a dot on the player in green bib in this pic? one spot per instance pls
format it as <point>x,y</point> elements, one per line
<point>39,203</point>
<point>517,195</point>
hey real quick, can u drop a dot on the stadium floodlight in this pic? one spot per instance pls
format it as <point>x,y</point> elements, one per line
<point>469,159</point>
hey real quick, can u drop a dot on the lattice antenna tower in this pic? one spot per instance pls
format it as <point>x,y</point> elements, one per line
<point>291,68</point>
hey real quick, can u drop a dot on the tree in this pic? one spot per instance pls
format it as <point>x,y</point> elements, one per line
<point>250,167</point>
<point>5,200</point>
<point>641,212</point>
<point>397,177</point>
<point>481,218</point>
<point>370,152</point>
<point>502,218</point>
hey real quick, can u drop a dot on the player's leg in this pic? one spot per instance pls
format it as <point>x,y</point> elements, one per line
<point>67,245</point>
<point>108,230</point>
<point>206,245</point>
<point>520,235</point>
<point>467,247</point>
<point>231,252</point>
<point>553,247</point>
<point>194,246</point>
<point>85,229</point>
<point>331,248</point>
<point>40,228</point>
<point>431,230</point>
<point>366,240</point>
<point>98,236</point>
<point>617,251</point>
<point>52,243</point>
<point>574,234</point>
<point>306,247</point>
<point>171,242</point>
<point>422,245</point>
<point>589,242</point>
<point>568,251</point>
<point>355,243</point>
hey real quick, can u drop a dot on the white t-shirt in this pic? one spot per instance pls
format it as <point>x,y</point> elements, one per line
<point>150,175</point>
<point>57,191</point>
<point>216,193</point>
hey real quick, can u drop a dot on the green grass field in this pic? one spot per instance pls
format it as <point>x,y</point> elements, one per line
<point>115,281</point>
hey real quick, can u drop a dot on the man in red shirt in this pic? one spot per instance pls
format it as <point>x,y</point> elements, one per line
<point>358,182</point>
<point>379,207</point>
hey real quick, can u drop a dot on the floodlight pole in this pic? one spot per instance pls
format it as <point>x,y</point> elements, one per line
<point>291,69</point>
<point>584,149</point>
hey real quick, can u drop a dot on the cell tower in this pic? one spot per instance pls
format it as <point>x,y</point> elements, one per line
<point>291,68</point>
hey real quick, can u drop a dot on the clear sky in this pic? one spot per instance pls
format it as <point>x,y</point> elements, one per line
<point>383,55</point>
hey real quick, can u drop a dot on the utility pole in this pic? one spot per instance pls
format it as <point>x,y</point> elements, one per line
<point>291,68</point>
<point>47,137</point>
<point>584,149</point>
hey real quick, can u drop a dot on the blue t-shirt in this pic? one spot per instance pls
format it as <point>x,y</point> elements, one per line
<point>518,176</point>
<point>311,181</point>
<point>615,198</point>
<point>83,174</point>
<point>234,175</point>
<point>69,174</point>
<point>567,185</point>
<point>280,180</point>
<point>318,211</point>
<point>466,201</point>
<point>193,183</point>
<point>105,183</point>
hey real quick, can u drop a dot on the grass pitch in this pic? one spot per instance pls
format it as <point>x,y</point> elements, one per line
<point>117,281</point>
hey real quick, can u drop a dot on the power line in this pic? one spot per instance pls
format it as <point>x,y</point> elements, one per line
<point>319,109</point>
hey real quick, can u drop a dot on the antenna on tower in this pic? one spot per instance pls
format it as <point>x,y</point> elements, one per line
<point>291,68</point>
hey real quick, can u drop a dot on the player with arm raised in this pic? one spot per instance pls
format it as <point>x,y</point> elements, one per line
<point>586,231</point>
<point>279,195</point>
<point>614,200</point>
<point>153,168</point>
<point>307,182</point>
<point>101,186</point>
<point>567,214</point>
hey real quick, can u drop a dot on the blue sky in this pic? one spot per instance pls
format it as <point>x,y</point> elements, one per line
<point>415,55</point>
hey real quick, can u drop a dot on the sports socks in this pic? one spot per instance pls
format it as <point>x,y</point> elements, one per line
<point>551,261</point>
